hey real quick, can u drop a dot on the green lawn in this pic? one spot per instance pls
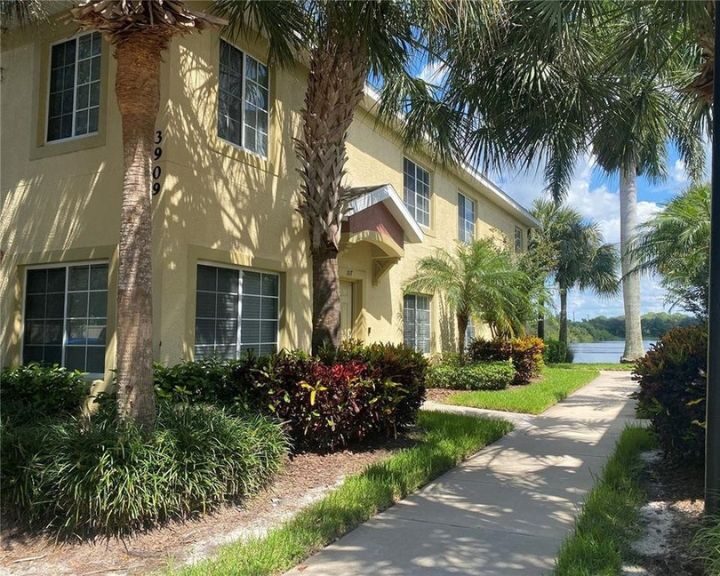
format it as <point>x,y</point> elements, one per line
<point>607,524</point>
<point>613,367</point>
<point>554,385</point>
<point>446,440</point>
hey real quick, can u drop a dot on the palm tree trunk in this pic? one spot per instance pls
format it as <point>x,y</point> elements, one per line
<point>138,93</point>
<point>631,281</point>
<point>563,316</point>
<point>541,319</point>
<point>338,69</point>
<point>462,324</point>
<point>326,300</point>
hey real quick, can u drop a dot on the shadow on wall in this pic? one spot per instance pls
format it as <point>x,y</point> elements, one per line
<point>220,197</point>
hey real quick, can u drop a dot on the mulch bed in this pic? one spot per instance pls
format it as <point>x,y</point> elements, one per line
<point>681,488</point>
<point>305,479</point>
<point>439,394</point>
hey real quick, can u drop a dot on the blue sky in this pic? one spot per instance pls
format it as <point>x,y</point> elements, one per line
<point>595,195</point>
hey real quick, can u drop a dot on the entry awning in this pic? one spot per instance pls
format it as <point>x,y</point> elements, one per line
<point>385,195</point>
<point>378,216</point>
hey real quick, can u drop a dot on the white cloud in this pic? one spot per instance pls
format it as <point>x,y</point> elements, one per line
<point>433,72</point>
<point>679,172</point>
<point>601,204</point>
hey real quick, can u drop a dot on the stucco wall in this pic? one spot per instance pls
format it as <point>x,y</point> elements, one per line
<point>218,203</point>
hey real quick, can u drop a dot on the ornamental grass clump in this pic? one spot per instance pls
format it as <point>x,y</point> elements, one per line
<point>102,476</point>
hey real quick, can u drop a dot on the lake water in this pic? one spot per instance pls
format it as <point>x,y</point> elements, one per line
<point>602,352</point>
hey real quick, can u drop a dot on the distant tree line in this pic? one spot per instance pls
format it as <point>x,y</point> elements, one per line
<point>601,328</point>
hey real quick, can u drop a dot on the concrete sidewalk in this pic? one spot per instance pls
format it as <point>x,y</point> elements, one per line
<point>506,510</point>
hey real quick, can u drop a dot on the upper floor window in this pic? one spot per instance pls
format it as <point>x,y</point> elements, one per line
<point>416,183</point>
<point>243,100</point>
<point>519,244</point>
<point>74,98</point>
<point>466,219</point>
<point>66,316</point>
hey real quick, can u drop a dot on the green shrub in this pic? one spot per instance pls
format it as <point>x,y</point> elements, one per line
<point>672,391</point>
<point>33,391</point>
<point>99,475</point>
<point>396,363</point>
<point>326,406</point>
<point>526,355</point>
<point>557,352</point>
<point>343,397</point>
<point>207,381</point>
<point>487,376</point>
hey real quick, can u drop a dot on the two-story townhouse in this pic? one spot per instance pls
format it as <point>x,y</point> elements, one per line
<point>231,264</point>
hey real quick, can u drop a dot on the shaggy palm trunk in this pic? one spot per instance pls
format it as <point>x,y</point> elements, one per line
<point>462,323</point>
<point>631,281</point>
<point>326,299</point>
<point>138,93</point>
<point>563,316</point>
<point>338,69</point>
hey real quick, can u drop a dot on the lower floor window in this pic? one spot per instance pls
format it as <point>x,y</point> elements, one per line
<point>469,334</point>
<point>65,316</point>
<point>416,322</point>
<point>236,311</point>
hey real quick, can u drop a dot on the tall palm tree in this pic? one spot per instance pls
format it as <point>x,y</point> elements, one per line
<point>563,77</point>
<point>571,251</point>
<point>676,244</point>
<point>346,44</point>
<point>140,30</point>
<point>479,280</point>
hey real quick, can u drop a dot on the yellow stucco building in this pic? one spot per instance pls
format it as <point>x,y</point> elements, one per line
<point>231,263</point>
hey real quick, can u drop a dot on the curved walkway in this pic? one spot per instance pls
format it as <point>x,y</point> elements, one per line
<point>506,510</point>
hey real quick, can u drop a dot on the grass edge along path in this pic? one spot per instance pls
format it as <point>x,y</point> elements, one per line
<point>554,385</point>
<point>448,440</point>
<point>611,366</point>
<point>608,520</point>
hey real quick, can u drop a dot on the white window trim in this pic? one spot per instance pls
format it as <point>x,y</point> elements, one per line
<point>430,192</point>
<point>474,220</point>
<point>47,97</point>
<point>66,265</point>
<point>238,343</point>
<point>242,123</point>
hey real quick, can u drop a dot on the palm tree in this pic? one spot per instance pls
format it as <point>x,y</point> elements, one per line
<point>563,77</point>
<point>479,280</point>
<point>676,244</point>
<point>571,251</point>
<point>543,254</point>
<point>139,30</point>
<point>346,43</point>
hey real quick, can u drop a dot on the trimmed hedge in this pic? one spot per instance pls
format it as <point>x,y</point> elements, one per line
<point>526,355</point>
<point>487,376</point>
<point>557,352</point>
<point>358,393</point>
<point>33,391</point>
<point>102,476</point>
<point>672,378</point>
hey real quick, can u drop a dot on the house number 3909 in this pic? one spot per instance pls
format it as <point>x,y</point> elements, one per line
<point>157,171</point>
